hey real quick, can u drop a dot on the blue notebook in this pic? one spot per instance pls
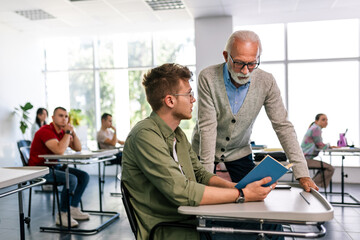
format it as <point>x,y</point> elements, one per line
<point>268,167</point>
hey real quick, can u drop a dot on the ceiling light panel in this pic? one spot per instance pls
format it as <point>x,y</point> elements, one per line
<point>35,14</point>
<point>158,5</point>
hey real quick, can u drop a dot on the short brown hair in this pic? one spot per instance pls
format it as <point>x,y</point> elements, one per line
<point>163,80</point>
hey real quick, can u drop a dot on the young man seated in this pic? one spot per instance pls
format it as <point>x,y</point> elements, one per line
<point>54,139</point>
<point>106,136</point>
<point>162,172</point>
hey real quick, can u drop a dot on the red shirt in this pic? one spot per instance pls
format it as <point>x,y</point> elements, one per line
<point>38,147</point>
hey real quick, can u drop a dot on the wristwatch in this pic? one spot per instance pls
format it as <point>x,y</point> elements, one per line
<point>241,198</point>
<point>68,132</point>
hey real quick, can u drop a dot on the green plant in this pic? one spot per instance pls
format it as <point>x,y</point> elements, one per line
<point>75,116</point>
<point>23,112</point>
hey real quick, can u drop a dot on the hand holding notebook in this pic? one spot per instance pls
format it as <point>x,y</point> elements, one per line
<point>268,167</point>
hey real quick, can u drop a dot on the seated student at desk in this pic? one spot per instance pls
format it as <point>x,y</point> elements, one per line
<point>161,170</point>
<point>54,139</point>
<point>106,138</point>
<point>311,144</point>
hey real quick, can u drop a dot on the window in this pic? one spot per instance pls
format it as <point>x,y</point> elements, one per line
<point>104,74</point>
<point>319,75</point>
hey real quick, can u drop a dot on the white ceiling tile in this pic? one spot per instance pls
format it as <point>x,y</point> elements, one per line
<point>127,7</point>
<point>12,17</point>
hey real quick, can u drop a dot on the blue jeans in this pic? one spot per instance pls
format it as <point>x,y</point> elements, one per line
<point>242,225</point>
<point>78,181</point>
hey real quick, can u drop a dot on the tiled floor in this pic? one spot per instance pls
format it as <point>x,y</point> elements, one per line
<point>344,226</point>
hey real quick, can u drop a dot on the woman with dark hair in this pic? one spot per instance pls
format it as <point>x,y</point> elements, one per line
<point>41,115</point>
<point>312,144</point>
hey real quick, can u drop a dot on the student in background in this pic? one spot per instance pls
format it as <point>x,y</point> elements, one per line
<point>106,136</point>
<point>40,120</point>
<point>311,146</point>
<point>55,138</point>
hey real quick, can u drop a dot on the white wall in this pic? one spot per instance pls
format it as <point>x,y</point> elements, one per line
<point>21,80</point>
<point>211,35</point>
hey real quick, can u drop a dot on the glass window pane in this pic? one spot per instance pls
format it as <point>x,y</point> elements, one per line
<point>272,40</point>
<point>105,52</point>
<point>82,96</point>
<point>174,46</point>
<point>314,89</point>
<point>139,107</point>
<point>80,53</point>
<point>114,99</point>
<point>263,133</point>
<point>57,91</point>
<point>139,50</point>
<point>112,52</point>
<point>56,54</point>
<point>323,39</point>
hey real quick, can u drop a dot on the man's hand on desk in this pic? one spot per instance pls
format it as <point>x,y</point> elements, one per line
<point>307,183</point>
<point>255,192</point>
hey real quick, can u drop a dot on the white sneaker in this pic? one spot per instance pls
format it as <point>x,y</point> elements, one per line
<point>77,214</point>
<point>64,220</point>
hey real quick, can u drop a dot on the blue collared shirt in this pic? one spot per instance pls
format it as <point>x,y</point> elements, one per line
<point>236,95</point>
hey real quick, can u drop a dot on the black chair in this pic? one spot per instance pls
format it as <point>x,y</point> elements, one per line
<point>132,220</point>
<point>110,163</point>
<point>24,149</point>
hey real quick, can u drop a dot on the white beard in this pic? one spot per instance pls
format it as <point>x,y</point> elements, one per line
<point>234,75</point>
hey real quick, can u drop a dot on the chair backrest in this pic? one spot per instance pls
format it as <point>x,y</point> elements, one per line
<point>25,155</point>
<point>129,208</point>
<point>24,150</point>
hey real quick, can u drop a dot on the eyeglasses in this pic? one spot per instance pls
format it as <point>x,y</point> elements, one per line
<point>191,94</point>
<point>240,65</point>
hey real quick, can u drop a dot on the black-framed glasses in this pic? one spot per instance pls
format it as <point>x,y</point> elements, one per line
<point>191,94</point>
<point>240,65</point>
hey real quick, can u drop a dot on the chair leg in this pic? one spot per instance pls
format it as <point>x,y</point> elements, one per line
<point>117,171</point>
<point>29,209</point>
<point>323,177</point>
<point>56,192</point>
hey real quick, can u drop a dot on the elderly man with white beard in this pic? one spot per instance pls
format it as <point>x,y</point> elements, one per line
<point>230,97</point>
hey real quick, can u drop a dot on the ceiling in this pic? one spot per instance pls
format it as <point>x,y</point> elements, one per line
<point>114,16</point>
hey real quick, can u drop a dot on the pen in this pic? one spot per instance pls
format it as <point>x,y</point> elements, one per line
<point>304,198</point>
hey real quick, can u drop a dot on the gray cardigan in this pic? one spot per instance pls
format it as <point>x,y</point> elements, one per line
<point>219,135</point>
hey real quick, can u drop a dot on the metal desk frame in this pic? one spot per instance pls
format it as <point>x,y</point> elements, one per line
<point>82,159</point>
<point>343,153</point>
<point>315,210</point>
<point>20,187</point>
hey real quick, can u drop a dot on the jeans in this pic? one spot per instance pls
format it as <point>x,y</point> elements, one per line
<point>242,236</point>
<point>78,181</point>
<point>239,168</point>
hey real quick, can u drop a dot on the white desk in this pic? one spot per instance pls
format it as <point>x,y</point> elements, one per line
<point>11,176</point>
<point>81,158</point>
<point>281,206</point>
<point>343,152</point>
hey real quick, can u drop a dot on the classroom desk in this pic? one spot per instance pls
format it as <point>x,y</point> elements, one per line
<point>82,158</point>
<point>12,176</point>
<point>283,206</point>
<point>343,152</point>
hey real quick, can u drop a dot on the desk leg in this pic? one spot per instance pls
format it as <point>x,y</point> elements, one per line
<point>342,179</point>
<point>21,214</point>
<point>68,195</point>
<point>100,189</point>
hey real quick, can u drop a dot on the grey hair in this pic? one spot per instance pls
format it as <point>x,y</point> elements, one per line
<point>243,35</point>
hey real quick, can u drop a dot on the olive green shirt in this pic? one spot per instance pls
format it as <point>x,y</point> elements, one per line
<point>155,181</point>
